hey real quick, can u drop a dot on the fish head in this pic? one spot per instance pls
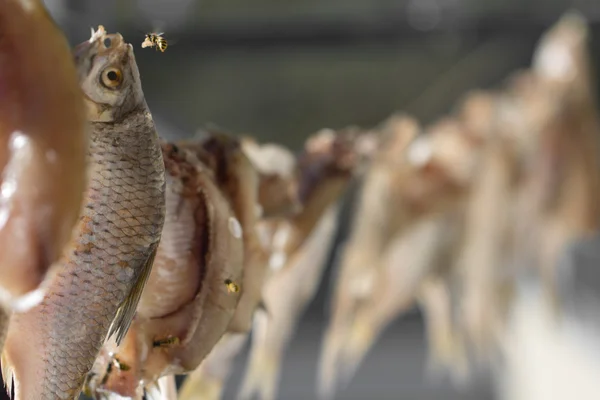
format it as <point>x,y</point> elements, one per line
<point>277,181</point>
<point>109,76</point>
<point>327,155</point>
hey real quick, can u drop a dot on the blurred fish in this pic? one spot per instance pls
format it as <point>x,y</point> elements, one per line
<point>563,179</point>
<point>286,295</point>
<point>374,227</point>
<point>518,210</point>
<point>43,147</point>
<point>277,197</point>
<point>185,307</point>
<point>299,248</point>
<point>408,267</point>
<point>542,178</point>
<point>238,180</point>
<point>412,177</point>
<point>50,348</point>
<point>482,257</point>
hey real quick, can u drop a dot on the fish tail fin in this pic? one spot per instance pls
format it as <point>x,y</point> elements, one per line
<point>448,357</point>
<point>8,375</point>
<point>262,374</point>
<point>264,362</point>
<point>208,380</point>
<point>329,360</point>
<point>163,389</point>
<point>447,347</point>
<point>362,335</point>
<point>201,386</point>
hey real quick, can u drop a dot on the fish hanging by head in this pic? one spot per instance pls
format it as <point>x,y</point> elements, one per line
<point>50,348</point>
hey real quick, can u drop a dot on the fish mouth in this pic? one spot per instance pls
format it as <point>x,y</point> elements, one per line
<point>99,43</point>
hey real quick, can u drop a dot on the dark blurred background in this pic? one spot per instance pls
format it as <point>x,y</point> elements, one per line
<point>281,70</point>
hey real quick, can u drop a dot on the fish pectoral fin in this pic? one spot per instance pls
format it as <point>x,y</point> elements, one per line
<point>126,311</point>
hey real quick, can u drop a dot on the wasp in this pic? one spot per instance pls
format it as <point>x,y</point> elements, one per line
<point>121,365</point>
<point>170,341</point>
<point>155,39</point>
<point>232,287</point>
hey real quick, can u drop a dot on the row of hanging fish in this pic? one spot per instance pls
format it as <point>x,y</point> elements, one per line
<point>459,214</point>
<point>129,260</point>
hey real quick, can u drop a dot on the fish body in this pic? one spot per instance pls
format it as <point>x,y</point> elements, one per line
<point>286,295</point>
<point>43,147</point>
<point>50,349</point>
<point>186,305</point>
<point>275,168</point>
<point>299,249</point>
<point>414,175</point>
<point>238,180</point>
<point>416,268</point>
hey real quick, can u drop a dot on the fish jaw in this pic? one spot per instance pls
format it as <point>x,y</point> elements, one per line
<point>43,142</point>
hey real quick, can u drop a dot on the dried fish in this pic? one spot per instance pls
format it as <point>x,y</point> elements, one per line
<point>50,348</point>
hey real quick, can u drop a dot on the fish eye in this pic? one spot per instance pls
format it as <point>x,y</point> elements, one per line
<point>107,42</point>
<point>112,77</point>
